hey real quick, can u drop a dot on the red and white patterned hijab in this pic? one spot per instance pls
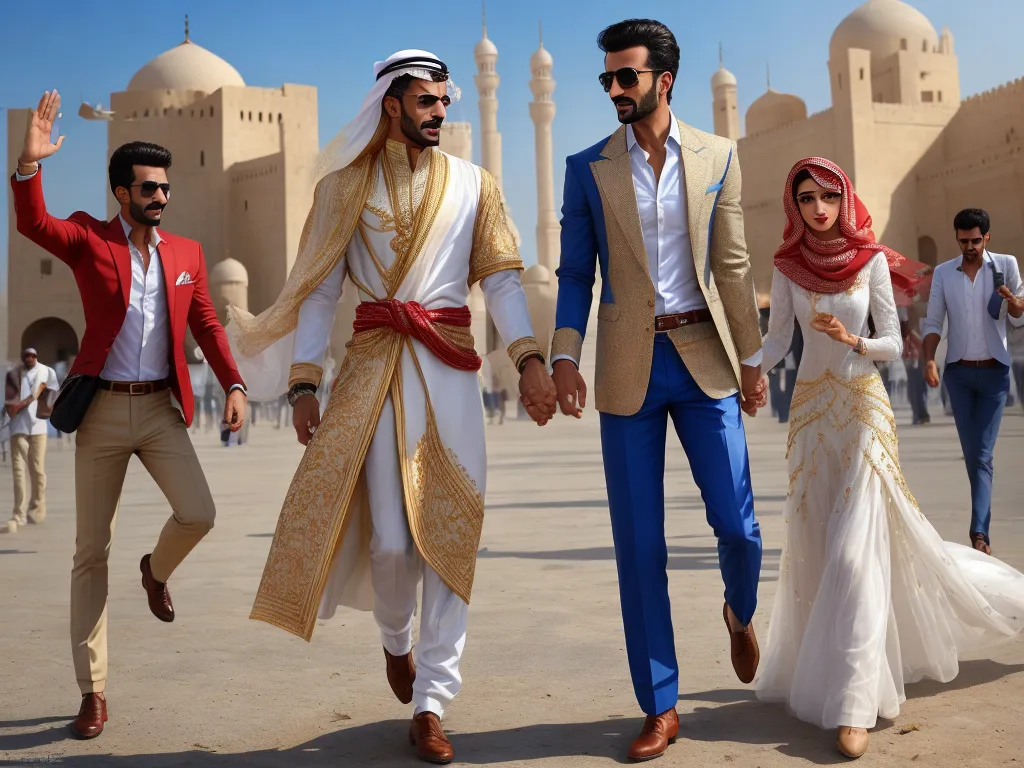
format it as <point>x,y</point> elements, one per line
<point>831,266</point>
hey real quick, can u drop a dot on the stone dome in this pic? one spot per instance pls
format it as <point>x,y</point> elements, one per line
<point>186,67</point>
<point>229,271</point>
<point>722,77</point>
<point>884,27</point>
<point>538,273</point>
<point>541,58</point>
<point>485,47</point>
<point>774,109</point>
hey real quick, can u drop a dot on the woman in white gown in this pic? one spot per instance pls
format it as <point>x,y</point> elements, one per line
<point>869,596</point>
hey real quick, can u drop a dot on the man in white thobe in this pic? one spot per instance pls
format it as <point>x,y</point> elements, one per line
<point>390,489</point>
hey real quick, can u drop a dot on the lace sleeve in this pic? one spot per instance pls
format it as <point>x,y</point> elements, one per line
<point>779,338</point>
<point>887,345</point>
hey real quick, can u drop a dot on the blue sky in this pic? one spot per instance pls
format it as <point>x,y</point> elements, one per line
<point>88,49</point>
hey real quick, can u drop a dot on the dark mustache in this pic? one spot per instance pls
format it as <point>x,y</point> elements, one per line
<point>155,207</point>
<point>431,124</point>
<point>623,100</point>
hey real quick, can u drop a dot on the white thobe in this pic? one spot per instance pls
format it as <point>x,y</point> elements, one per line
<point>395,564</point>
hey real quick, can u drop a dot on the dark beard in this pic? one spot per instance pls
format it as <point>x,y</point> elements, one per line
<point>414,134</point>
<point>648,103</point>
<point>139,216</point>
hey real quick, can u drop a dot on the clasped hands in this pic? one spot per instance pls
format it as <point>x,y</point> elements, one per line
<point>537,391</point>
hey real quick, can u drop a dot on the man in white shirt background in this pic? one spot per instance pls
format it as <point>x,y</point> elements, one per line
<point>975,294</point>
<point>25,386</point>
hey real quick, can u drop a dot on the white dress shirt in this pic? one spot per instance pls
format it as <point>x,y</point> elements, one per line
<point>976,301</point>
<point>141,348</point>
<point>25,421</point>
<point>662,205</point>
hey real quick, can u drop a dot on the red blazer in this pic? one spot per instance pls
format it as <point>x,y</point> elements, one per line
<point>97,252</point>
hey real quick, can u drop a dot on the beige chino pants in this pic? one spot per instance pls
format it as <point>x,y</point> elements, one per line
<point>28,461</point>
<point>116,427</point>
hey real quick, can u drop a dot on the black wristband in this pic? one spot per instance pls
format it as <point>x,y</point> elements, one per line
<point>299,390</point>
<point>527,358</point>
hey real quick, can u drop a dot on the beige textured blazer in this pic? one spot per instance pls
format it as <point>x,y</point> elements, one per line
<point>625,330</point>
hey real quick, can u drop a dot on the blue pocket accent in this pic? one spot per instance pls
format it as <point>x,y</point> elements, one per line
<point>715,187</point>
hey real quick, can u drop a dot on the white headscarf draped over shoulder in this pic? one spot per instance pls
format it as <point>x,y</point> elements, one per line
<point>355,137</point>
<point>262,345</point>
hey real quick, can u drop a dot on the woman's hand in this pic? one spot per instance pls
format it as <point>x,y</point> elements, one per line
<point>830,325</point>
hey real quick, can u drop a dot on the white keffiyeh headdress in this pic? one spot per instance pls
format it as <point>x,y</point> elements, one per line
<point>354,137</point>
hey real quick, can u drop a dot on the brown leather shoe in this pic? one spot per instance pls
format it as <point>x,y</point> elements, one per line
<point>156,591</point>
<point>91,716</point>
<point>427,735</point>
<point>744,651</point>
<point>658,732</point>
<point>401,674</point>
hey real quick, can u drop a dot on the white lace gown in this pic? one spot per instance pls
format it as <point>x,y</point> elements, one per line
<point>869,596</point>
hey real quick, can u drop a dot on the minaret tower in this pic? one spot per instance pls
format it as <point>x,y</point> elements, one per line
<point>726,102</point>
<point>486,79</point>
<point>542,112</point>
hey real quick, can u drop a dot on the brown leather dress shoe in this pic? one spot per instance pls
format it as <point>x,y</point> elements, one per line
<point>91,716</point>
<point>156,591</point>
<point>658,732</point>
<point>427,735</point>
<point>744,651</point>
<point>401,674</point>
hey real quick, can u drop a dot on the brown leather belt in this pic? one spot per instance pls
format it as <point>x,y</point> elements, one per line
<point>664,323</point>
<point>990,363</point>
<point>133,387</point>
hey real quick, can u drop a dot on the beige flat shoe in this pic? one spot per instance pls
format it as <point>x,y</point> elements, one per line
<point>852,742</point>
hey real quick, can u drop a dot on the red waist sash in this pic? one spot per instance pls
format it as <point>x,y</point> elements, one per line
<point>412,319</point>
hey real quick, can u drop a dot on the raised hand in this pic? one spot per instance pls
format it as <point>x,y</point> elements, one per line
<point>37,144</point>
<point>570,388</point>
<point>537,392</point>
<point>1014,305</point>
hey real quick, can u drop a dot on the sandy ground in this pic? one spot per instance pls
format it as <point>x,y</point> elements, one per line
<point>545,676</point>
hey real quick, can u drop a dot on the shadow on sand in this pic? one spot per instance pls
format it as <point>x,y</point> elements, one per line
<point>731,716</point>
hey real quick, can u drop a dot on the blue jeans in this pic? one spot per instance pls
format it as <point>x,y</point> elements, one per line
<point>977,396</point>
<point>711,432</point>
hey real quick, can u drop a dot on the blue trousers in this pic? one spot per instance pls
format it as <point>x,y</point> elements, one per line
<point>711,432</point>
<point>977,396</point>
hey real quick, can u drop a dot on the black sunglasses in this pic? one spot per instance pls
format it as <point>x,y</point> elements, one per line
<point>627,77</point>
<point>149,188</point>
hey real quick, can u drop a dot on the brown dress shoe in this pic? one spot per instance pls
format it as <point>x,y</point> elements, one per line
<point>156,591</point>
<point>427,735</point>
<point>91,716</point>
<point>401,674</point>
<point>658,732</point>
<point>744,651</point>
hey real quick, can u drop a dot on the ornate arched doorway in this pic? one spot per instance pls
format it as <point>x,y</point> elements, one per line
<point>54,339</point>
<point>927,251</point>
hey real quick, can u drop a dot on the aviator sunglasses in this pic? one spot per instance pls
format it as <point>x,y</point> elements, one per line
<point>149,188</point>
<point>627,77</point>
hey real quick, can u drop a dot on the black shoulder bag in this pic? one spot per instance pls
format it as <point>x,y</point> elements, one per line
<point>75,397</point>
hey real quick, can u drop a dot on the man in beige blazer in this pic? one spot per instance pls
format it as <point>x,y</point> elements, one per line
<point>657,208</point>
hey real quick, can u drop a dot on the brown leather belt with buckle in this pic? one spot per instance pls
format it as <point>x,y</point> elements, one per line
<point>664,323</point>
<point>990,363</point>
<point>133,387</point>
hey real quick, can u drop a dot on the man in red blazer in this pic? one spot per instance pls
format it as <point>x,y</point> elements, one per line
<point>140,288</point>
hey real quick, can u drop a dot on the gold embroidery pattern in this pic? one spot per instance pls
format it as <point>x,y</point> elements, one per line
<point>337,206</point>
<point>494,247</point>
<point>567,341</point>
<point>519,349</point>
<point>412,225</point>
<point>445,509</point>
<point>844,401</point>
<point>306,373</point>
<point>318,499</point>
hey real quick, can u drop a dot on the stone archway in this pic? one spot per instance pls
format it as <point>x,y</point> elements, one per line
<point>54,339</point>
<point>927,251</point>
